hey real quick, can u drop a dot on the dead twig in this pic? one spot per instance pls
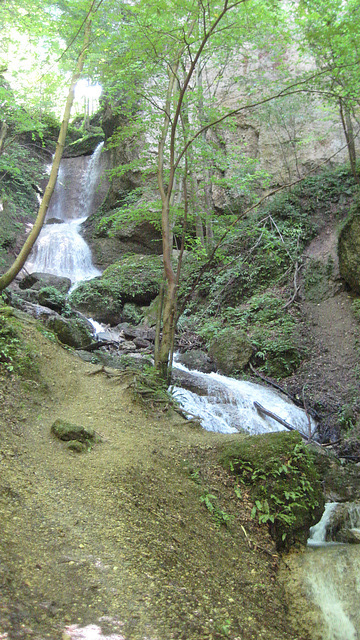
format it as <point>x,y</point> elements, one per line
<point>296,285</point>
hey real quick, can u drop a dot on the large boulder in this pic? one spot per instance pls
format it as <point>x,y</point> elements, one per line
<point>37,281</point>
<point>71,332</point>
<point>231,350</point>
<point>134,279</point>
<point>132,237</point>
<point>285,487</point>
<point>349,251</point>
<point>84,146</point>
<point>196,359</point>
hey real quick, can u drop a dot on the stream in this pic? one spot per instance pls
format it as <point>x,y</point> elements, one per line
<point>227,405</point>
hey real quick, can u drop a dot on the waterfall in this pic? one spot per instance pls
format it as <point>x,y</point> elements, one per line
<point>328,575</point>
<point>60,249</point>
<point>226,405</point>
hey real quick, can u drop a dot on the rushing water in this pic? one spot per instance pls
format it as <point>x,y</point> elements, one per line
<point>227,405</point>
<point>60,249</point>
<point>328,575</point>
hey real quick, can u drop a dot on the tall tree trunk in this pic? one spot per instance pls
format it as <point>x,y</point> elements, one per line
<point>349,137</point>
<point>18,264</point>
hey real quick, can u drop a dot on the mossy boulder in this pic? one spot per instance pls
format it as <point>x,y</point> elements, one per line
<point>71,332</point>
<point>231,350</point>
<point>138,277</point>
<point>349,251</point>
<point>37,281</point>
<point>84,146</point>
<point>79,438</point>
<point>284,484</point>
<point>99,299</point>
<point>134,279</point>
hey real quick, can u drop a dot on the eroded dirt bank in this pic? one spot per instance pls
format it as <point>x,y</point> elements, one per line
<point>118,537</point>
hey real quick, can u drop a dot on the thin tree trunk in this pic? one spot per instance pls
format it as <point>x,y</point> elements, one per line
<point>9,276</point>
<point>3,132</point>
<point>349,137</point>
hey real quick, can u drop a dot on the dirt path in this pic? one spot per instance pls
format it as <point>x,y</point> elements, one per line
<point>117,539</point>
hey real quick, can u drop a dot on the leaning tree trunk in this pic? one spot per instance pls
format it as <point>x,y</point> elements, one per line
<point>18,264</point>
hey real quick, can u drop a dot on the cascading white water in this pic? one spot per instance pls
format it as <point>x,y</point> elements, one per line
<point>227,405</point>
<point>60,249</point>
<point>328,575</point>
<point>318,532</point>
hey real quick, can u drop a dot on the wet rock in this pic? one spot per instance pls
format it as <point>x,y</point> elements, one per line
<point>54,221</point>
<point>344,524</point>
<point>37,281</point>
<point>231,351</point>
<point>197,359</point>
<point>83,146</point>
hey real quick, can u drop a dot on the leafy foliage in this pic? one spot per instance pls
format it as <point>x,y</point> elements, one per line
<point>220,517</point>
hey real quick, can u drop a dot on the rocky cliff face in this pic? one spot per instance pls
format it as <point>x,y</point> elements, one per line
<point>349,250</point>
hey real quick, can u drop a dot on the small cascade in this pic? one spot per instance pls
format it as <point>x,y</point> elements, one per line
<point>60,249</point>
<point>319,532</point>
<point>328,574</point>
<point>226,405</point>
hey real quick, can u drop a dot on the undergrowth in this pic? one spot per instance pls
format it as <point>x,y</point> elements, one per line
<point>17,356</point>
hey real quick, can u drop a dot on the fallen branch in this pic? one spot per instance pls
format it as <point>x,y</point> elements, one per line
<point>272,415</point>
<point>93,346</point>
<point>296,286</point>
<point>273,384</point>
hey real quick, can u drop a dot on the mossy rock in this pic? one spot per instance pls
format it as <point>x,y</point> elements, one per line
<point>37,281</point>
<point>132,313</point>
<point>99,299</point>
<point>231,350</point>
<point>74,434</point>
<point>84,146</point>
<point>73,333</point>
<point>284,483</point>
<point>134,279</point>
<point>137,276</point>
<point>78,447</point>
<point>349,251</point>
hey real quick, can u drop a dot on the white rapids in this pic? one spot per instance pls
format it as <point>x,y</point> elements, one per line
<point>227,405</point>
